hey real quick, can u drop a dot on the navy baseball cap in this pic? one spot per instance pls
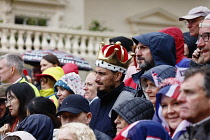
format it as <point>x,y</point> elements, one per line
<point>75,104</point>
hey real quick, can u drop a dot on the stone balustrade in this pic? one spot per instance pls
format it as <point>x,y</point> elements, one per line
<point>82,43</point>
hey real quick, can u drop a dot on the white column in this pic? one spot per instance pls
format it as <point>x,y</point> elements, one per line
<point>28,42</point>
<point>4,41</point>
<point>12,41</point>
<point>52,41</point>
<point>44,41</point>
<point>20,41</point>
<point>68,44</point>
<point>98,44</point>
<point>91,50</point>
<point>83,47</point>
<point>75,48</point>
<point>36,42</point>
<point>60,45</point>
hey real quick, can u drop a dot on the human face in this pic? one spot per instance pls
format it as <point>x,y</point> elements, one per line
<point>65,134</point>
<point>13,104</point>
<point>144,57</point>
<point>45,83</point>
<point>45,64</point>
<point>150,90</point>
<point>2,108</point>
<point>205,45</point>
<point>193,25</point>
<point>194,102</point>
<point>62,93</point>
<point>90,86</point>
<point>170,111</point>
<point>105,80</point>
<point>67,117</point>
<point>6,72</point>
<point>120,124</point>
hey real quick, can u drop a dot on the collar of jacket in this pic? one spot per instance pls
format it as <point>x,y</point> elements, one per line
<point>111,95</point>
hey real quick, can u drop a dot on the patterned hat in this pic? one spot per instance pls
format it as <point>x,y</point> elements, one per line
<point>113,57</point>
<point>71,82</point>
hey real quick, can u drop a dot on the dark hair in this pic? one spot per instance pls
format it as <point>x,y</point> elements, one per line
<point>12,138</point>
<point>42,105</point>
<point>205,71</point>
<point>52,59</point>
<point>122,77</point>
<point>24,93</point>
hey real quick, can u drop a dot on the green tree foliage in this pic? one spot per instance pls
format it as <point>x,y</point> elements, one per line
<point>97,26</point>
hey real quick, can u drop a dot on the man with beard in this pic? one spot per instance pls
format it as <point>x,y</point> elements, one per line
<point>153,49</point>
<point>111,65</point>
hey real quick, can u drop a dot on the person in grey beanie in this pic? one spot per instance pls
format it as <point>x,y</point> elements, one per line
<point>131,110</point>
<point>148,84</point>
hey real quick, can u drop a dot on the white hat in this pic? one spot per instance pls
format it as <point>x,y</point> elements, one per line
<point>196,12</point>
<point>22,134</point>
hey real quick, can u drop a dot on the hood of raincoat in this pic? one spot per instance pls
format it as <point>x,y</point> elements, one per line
<point>71,82</point>
<point>39,125</point>
<point>177,34</point>
<point>161,46</point>
<point>143,130</point>
<point>163,72</point>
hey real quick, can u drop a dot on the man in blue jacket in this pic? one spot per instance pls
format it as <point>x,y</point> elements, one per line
<point>153,49</point>
<point>111,65</point>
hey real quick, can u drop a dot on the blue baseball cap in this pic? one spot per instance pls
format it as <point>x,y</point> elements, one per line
<point>75,104</point>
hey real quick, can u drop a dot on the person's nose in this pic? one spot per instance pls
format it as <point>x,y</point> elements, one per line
<point>138,52</point>
<point>85,87</point>
<point>181,97</point>
<point>97,78</point>
<point>148,89</point>
<point>201,43</point>
<point>170,109</point>
<point>189,25</point>
<point>116,121</point>
<point>58,93</point>
<point>7,104</point>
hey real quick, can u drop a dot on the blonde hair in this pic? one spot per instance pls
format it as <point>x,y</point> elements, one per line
<point>79,130</point>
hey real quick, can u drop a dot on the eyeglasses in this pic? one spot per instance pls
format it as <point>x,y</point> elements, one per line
<point>44,80</point>
<point>148,87</point>
<point>192,21</point>
<point>9,99</point>
<point>204,36</point>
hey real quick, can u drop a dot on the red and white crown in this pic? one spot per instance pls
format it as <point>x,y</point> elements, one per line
<point>113,57</point>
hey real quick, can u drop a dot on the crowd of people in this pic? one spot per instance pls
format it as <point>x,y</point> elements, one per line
<point>153,86</point>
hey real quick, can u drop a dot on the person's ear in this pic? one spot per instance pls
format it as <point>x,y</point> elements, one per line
<point>88,117</point>
<point>118,76</point>
<point>12,70</point>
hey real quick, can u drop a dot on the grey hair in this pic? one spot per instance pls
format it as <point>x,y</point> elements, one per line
<point>14,60</point>
<point>205,24</point>
<point>205,71</point>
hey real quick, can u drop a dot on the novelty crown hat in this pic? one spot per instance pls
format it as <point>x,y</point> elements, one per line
<point>113,57</point>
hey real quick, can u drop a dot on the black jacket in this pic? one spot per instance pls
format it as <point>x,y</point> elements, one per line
<point>198,132</point>
<point>100,109</point>
<point>101,136</point>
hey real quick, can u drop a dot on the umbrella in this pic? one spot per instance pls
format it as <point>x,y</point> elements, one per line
<point>34,57</point>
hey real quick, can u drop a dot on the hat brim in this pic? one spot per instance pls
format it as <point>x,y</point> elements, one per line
<point>39,76</point>
<point>70,110</point>
<point>189,17</point>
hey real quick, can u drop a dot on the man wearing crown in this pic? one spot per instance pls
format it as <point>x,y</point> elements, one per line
<point>111,66</point>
